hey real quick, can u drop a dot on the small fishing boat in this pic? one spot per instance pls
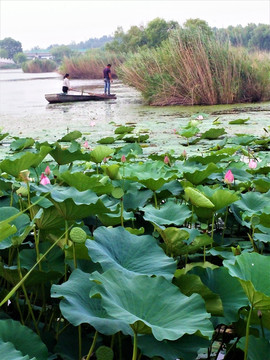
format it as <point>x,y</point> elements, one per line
<point>62,98</point>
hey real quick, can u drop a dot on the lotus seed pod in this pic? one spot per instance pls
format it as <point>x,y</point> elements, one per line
<point>104,353</point>
<point>78,235</point>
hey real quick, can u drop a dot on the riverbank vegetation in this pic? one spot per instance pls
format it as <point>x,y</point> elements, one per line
<point>185,229</point>
<point>39,66</point>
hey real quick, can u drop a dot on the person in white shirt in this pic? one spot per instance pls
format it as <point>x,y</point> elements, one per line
<point>66,84</point>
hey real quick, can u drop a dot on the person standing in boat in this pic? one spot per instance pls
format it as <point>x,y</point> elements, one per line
<point>66,84</point>
<point>107,79</point>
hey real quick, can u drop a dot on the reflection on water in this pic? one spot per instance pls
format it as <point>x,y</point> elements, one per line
<point>24,111</point>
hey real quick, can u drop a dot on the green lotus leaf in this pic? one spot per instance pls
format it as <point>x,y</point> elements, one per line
<point>197,198</point>
<point>174,239</point>
<point>198,176</point>
<point>112,171</point>
<point>252,270</point>
<point>152,175</point>
<point>9,352</point>
<point>117,192</point>
<point>213,133</point>
<point>100,152</point>
<point>136,300</point>
<point>262,185</point>
<point>189,132</point>
<point>106,140</point>
<point>21,338</point>
<point>219,281</point>
<point>73,135</point>
<point>124,129</point>
<point>219,197</point>
<point>22,143</point>
<point>129,150</point>
<point>2,136</point>
<point>252,202</point>
<point>135,198</point>
<point>132,139</point>
<point>67,155</point>
<point>242,139</point>
<point>23,160</point>
<point>116,248</point>
<point>239,121</point>
<point>169,213</point>
<point>78,308</point>
<point>84,182</point>
<point>49,218</point>
<point>258,348</point>
<point>14,229</point>
<point>186,347</point>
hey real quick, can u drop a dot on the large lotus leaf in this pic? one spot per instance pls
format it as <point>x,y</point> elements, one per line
<point>169,213</point>
<point>262,185</point>
<point>115,216</point>
<point>2,136</point>
<point>133,199</point>
<point>213,158</point>
<point>23,160</point>
<point>253,272</point>
<point>65,156</point>
<point>49,218</point>
<point>197,198</point>
<point>185,348</point>
<point>73,204</point>
<point>242,139</point>
<point>191,283</point>
<point>152,175</point>
<point>142,302</point>
<point>253,202</point>
<point>13,229</point>
<point>100,152</point>
<point>106,140</point>
<point>118,249</point>
<point>197,176</point>
<point>23,340</point>
<point>189,131</point>
<point>258,348</point>
<point>130,151</point>
<point>219,197</point>
<point>84,182</point>
<point>78,308</point>
<point>219,281</point>
<point>21,143</point>
<point>124,129</point>
<point>73,135</point>
<point>213,133</point>
<point>8,352</point>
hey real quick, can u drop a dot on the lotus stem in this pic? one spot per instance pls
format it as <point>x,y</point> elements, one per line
<point>155,198</point>
<point>92,346</point>
<point>120,346</point>
<point>80,341</point>
<point>247,333</point>
<point>74,256</point>
<point>225,222</point>
<point>134,356</point>
<point>122,211</point>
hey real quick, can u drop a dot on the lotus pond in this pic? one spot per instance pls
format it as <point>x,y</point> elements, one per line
<point>109,251</point>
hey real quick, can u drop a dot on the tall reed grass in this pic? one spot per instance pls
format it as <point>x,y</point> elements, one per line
<point>91,64</point>
<point>191,68</point>
<point>39,66</point>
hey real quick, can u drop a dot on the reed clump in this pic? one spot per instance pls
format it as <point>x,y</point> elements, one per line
<point>91,64</point>
<point>191,68</point>
<point>39,66</point>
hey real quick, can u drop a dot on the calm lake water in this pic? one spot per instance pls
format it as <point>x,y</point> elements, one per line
<point>24,111</point>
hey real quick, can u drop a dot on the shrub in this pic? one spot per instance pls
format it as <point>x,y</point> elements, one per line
<point>39,66</point>
<point>192,68</point>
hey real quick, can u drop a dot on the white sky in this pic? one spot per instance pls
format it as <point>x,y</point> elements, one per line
<point>43,23</point>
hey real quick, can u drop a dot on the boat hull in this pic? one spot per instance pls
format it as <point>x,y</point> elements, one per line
<point>61,98</point>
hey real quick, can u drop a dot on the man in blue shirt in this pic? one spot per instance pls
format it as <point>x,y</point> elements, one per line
<point>107,79</point>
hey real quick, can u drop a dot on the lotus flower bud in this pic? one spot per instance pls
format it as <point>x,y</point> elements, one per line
<point>47,170</point>
<point>252,164</point>
<point>167,160</point>
<point>123,158</point>
<point>44,180</point>
<point>229,178</point>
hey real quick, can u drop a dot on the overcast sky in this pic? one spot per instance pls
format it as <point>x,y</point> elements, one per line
<point>43,23</point>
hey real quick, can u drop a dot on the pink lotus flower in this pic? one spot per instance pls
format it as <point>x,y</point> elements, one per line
<point>252,164</point>
<point>92,123</point>
<point>167,160</point>
<point>47,170</point>
<point>229,178</point>
<point>200,117</point>
<point>44,180</point>
<point>123,158</point>
<point>184,154</point>
<point>174,131</point>
<point>86,145</point>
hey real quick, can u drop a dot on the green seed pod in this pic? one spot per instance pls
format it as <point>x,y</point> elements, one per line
<point>78,235</point>
<point>104,353</point>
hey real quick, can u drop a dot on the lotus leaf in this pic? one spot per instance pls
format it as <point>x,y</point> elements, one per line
<point>186,347</point>
<point>124,129</point>
<point>258,348</point>
<point>118,249</point>
<point>253,203</point>
<point>213,133</point>
<point>22,339</point>
<point>106,140</point>
<point>73,135</point>
<point>65,156</point>
<point>262,185</point>
<point>253,272</point>
<point>239,121</point>
<point>100,152</point>
<point>169,213</point>
<point>23,160</point>
<point>134,198</point>
<point>219,197</point>
<point>16,228</point>
<point>22,143</point>
<point>78,308</point>
<point>136,300</point>
<point>198,176</point>
<point>197,198</point>
<point>112,171</point>
<point>242,139</point>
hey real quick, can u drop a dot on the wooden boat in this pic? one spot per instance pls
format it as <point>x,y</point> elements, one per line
<point>62,98</point>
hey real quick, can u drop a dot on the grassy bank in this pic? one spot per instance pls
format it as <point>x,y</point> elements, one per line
<point>193,69</point>
<point>90,65</point>
<point>39,66</point>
